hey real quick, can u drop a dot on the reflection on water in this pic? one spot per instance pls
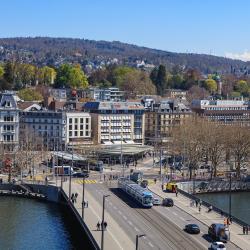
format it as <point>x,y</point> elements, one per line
<point>240,203</point>
<point>29,224</point>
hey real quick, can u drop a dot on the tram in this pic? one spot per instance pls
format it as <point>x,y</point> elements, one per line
<point>141,195</point>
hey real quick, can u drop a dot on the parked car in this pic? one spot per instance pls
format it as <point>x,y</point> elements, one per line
<point>156,201</point>
<point>80,174</point>
<point>218,246</point>
<point>192,229</point>
<point>168,202</point>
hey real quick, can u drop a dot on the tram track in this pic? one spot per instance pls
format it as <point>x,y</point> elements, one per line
<point>168,231</point>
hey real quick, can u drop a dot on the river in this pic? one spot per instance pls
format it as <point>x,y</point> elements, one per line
<point>240,203</point>
<point>30,224</point>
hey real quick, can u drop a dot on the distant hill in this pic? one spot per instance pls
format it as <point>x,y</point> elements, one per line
<point>55,51</point>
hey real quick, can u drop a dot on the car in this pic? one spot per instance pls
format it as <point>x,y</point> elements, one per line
<point>192,229</point>
<point>156,201</point>
<point>80,174</point>
<point>218,246</point>
<point>168,202</point>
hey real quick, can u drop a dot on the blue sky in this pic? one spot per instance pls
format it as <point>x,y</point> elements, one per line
<point>219,27</point>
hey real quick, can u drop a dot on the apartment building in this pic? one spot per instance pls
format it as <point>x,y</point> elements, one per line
<point>78,130</point>
<point>224,111</point>
<point>9,121</point>
<point>117,122</point>
<point>161,117</point>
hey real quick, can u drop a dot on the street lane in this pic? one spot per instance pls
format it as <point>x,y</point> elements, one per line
<point>161,232</point>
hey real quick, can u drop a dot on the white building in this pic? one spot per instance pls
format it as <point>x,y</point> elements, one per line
<point>78,130</point>
<point>9,121</point>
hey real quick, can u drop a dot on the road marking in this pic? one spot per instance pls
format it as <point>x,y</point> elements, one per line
<point>150,244</point>
<point>174,213</point>
<point>136,229</point>
<point>124,217</point>
<point>119,212</point>
<point>130,223</point>
<point>143,237</point>
<point>182,218</point>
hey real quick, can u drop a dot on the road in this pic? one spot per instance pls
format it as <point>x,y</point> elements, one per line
<point>161,232</point>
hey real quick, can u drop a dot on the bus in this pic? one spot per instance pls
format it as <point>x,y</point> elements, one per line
<point>63,170</point>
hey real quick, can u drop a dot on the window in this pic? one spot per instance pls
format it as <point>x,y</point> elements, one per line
<point>70,120</point>
<point>87,126</point>
<point>70,133</point>
<point>75,133</point>
<point>76,120</point>
<point>87,120</point>
<point>87,133</point>
<point>70,127</point>
<point>81,133</point>
<point>76,127</point>
<point>81,127</point>
<point>81,120</point>
<point>8,118</point>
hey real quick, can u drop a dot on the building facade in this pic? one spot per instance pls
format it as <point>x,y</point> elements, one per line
<point>117,122</point>
<point>224,111</point>
<point>9,125</point>
<point>78,129</point>
<point>162,117</point>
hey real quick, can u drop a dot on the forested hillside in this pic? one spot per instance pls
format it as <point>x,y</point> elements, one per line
<point>56,51</point>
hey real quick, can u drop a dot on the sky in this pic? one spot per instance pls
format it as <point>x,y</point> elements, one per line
<point>217,27</point>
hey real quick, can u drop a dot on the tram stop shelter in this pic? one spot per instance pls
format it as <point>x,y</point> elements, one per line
<point>129,152</point>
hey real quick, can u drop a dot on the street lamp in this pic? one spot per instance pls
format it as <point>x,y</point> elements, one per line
<point>83,193</point>
<point>230,194</point>
<point>102,224</point>
<point>137,240</point>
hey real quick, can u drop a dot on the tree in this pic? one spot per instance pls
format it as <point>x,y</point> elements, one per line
<point>211,85</point>
<point>196,92</point>
<point>77,78</point>
<point>9,72</point>
<point>242,87</point>
<point>71,76</point>
<point>29,94</point>
<point>1,71</point>
<point>161,80</point>
<point>46,75</point>
<point>137,82</point>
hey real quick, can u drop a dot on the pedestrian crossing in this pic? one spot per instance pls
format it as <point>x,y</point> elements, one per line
<point>86,181</point>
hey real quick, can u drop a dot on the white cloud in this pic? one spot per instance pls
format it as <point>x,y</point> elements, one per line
<point>245,56</point>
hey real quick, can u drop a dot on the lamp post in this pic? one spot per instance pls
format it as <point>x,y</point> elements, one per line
<point>102,224</point>
<point>230,195</point>
<point>83,193</point>
<point>137,240</point>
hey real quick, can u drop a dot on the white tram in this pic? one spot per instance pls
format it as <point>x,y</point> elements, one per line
<point>140,194</point>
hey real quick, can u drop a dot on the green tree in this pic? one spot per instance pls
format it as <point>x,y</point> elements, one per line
<point>210,85</point>
<point>9,72</point>
<point>77,78</point>
<point>119,74</point>
<point>1,71</point>
<point>242,87</point>
<point>71,76</point>
<point>161,82</point>
<point>46,75</point>
<point>29,94</point>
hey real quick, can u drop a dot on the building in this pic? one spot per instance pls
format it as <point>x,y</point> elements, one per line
<point>225,111</point>
<point>117,122</point>
<point>162,117</point>
<point>176,94</point>
<point>48,127</point>
<point>9,117</point>
<point>78,130</point>
<point>101,94</point>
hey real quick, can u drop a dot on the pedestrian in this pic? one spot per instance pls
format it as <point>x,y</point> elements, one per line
<point>98,226</point>
<point>247,229</point>
<point>244,229</point>
<point>210,209</point>
<point>87,204</point>
<point>105,225</point>
<point>104,177</point>
<point>176,192</point>
<point>72,198</point>
<point>75,197</point>
<point>155,180</point>
<point>196,203</point>
<point>199,208</point>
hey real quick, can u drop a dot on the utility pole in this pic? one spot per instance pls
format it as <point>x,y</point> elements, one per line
<point>161,164</point>
<point>230,195</point>
<point>83,196</point>
<point>137,240</point>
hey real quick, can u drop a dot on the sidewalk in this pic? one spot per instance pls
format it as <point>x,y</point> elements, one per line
<point>236,234</point>
<point>92,215</point>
